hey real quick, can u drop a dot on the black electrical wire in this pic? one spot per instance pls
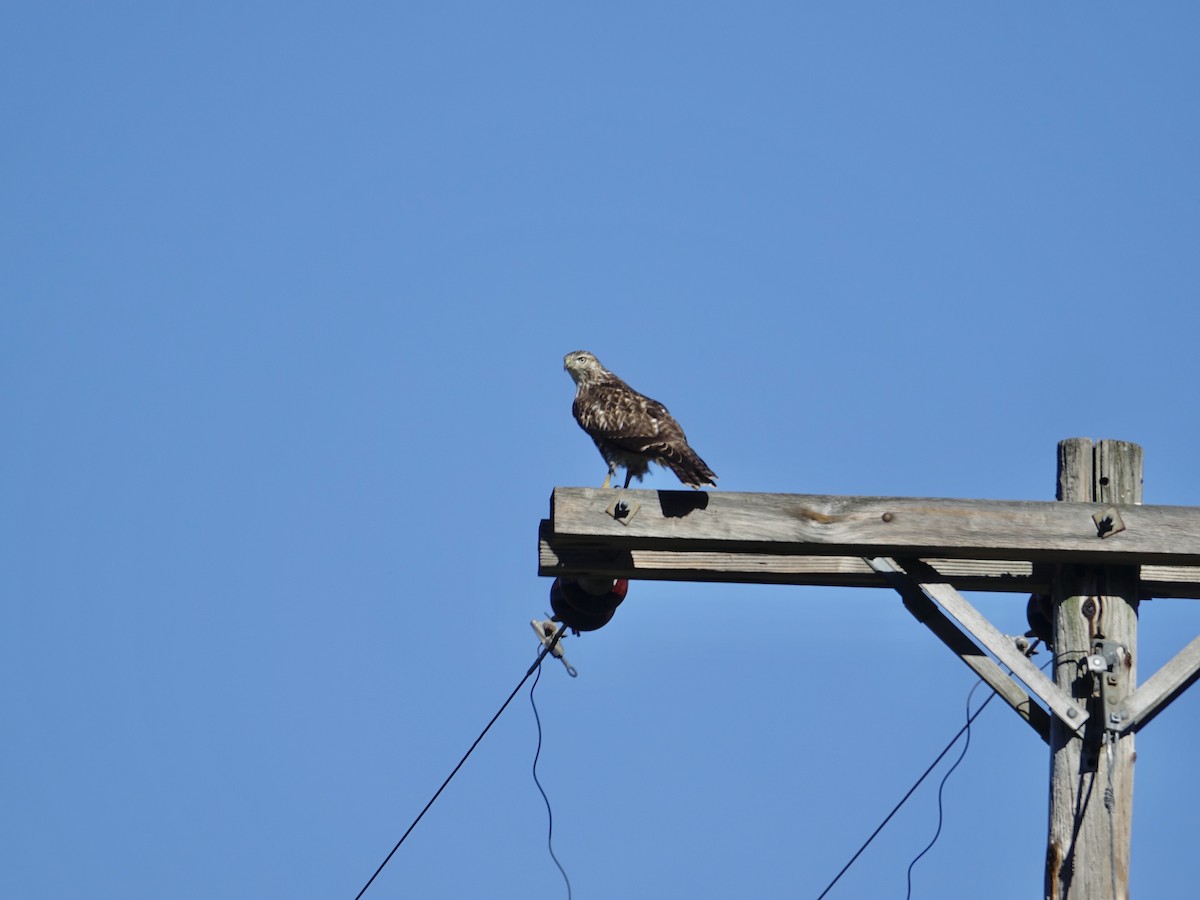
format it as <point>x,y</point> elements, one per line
<point>503,706</point>
<point>903,800</point>
<point>966,728</point>
<point>541,790</point>
<point>941,787</point>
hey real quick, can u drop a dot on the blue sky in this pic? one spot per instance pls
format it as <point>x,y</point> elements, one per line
<point>286,290</point>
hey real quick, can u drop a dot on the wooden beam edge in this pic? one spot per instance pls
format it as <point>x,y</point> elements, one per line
<point>987,575</point>
<point>942,528</point>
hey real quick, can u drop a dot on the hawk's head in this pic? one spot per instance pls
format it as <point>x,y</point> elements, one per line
<point>583,367</point>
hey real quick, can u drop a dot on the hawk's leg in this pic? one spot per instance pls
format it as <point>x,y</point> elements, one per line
<point>628,476</point>
<point>612,470</point>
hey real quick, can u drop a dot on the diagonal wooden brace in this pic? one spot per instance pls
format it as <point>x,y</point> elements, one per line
<point>913,575</point>
<point>947,631</point>
<point>1160,689</point>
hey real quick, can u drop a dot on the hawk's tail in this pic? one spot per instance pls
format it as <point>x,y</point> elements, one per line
<point>691,469</point>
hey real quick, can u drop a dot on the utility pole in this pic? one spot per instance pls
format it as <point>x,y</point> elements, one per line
<point>1095,652</point>
<point>1093,554</point>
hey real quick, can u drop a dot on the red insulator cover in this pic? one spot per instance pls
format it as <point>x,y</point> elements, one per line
<point>586,605</point>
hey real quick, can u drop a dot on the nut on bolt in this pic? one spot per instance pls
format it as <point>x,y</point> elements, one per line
<point>1108,522</point>
<point>623,510</point>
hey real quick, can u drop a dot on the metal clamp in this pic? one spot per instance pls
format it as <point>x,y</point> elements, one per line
<point>1105,663</point>
<point>549,634</point>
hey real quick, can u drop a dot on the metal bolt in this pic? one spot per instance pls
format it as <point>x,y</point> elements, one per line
<point>1072,713</point>
<point>887,517</point>
<point>623,510</point>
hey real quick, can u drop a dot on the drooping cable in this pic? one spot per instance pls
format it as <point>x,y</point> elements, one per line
<point>503,706</point>
<point>941,787</point>
<point>896,808</point>
<point>970,718</point>
<point>541,790</point>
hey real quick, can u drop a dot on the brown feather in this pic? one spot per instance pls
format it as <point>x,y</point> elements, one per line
<point>630,429</point>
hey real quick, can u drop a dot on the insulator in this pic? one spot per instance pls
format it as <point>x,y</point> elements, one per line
<point>585,604</point>
<point>1039,612</point>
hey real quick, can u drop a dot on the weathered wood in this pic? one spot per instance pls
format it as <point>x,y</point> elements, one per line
<point>989,637</point>
<point>1097,551</point>
<point>1161,688</point>
<point>918,602</point>
<point>1169,581</point>
<point>991,575</point>
<point>555,558</point>
<point>1087,854</point>
<point>874,526</point>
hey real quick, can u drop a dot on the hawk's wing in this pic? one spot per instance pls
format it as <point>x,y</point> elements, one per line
<point>619,415</point>
<point>620,420</point>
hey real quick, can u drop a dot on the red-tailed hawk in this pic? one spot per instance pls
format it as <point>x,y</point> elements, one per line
<point>630,429</point>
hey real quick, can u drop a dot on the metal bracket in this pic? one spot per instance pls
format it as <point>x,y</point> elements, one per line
<point>1105,656</point>
<point>1106,663</point>
<point>550,633</point>
<point>623,510</point>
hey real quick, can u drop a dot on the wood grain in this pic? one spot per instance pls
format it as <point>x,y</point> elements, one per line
<point>801,524</point>
<point>1087,844</point>
<point>1180,673</point>
<point>992,575</point>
